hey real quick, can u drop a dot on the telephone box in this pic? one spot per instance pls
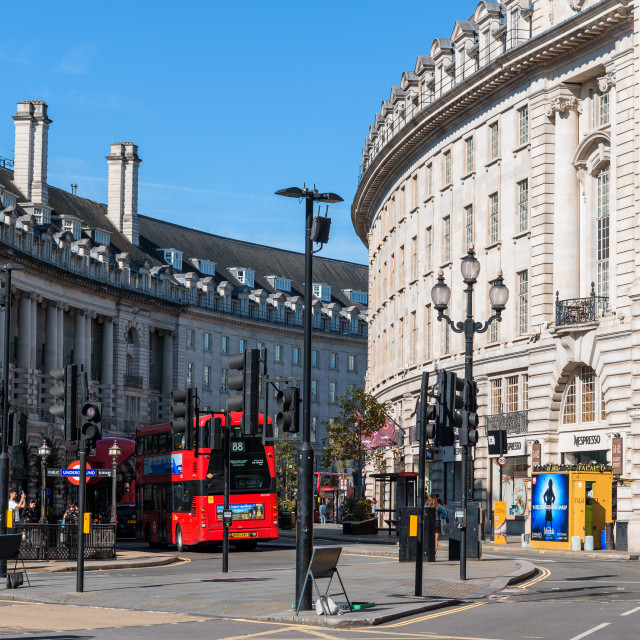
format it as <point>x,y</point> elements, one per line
<point>568,501</point>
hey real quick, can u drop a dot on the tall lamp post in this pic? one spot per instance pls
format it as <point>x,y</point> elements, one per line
<point>4,449</point>
<point>114,452</point>
<point>498,296</point>
<point>304,525</point>
<point>44,451</point>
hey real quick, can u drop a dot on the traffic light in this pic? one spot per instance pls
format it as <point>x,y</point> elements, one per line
<point>91,422</point>
<point>182,413</point>
<point>247,381</point>
<point>469,428</point>
<point>65,388</point>
<point>447,418</point>
<point>288,418</point>
<point>18,429</point>
<point>426,413</point>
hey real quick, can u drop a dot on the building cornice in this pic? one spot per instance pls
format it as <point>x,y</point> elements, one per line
<point>538,53</point>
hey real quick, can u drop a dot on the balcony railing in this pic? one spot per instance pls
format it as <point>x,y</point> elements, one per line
<point>133,381</point>
<point>580,310</point>
<point>513,422</point>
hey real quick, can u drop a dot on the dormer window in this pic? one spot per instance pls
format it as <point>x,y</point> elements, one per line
<point>322,291</point>
<point>360,297</point>
<point>244,276</point>
<point>43,216</point>
<point>173,257</point>
<point>205,267</point>
<point>101,238</point>
<point>73,226</point>
<point>280,284</point>
<point>8,201</point>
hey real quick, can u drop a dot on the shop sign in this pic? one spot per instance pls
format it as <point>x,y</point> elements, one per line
<point>536,454</point>
<point>515,447</point>
<point>583,441</point>
<point>616,456</point>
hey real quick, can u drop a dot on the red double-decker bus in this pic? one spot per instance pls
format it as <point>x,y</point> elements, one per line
<point>180,491</point>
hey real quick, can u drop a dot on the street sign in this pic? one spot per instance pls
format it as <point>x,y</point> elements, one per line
<point>72,473</point>
<point>502,460</point>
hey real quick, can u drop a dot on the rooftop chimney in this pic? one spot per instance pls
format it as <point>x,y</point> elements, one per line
<point>30,162</point>
<point>122,201</point>
<point>74,189</point>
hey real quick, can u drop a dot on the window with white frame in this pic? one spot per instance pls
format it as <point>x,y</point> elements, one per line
<point>414,257</point>
<point>523,206</point>
<point>283,284</point>
<point>486,49</point>
<point>173,257</point>
<point>427,332</point>
<point>351,366</point>
<point>322,291</point>
<point>429,180</point>
<point>494,218</point>
<point>468,155</point>
<point>359,297</point>
<point>413,347</point>
<point>100,237</point>
<point>333,361</point>
<point>332,392</point>
<point>43,216</point>
<point>602,214</point>
<point>207,268</point>
<point>582,398</point>
<point>8,201</point>
<point>496,396</point>
<point>206,377</point>
<point>428,242</point>
<point>245,276</point>
<point>515,27</point>
<point>523,125</point>
<point>523,302</point>
<point>446,239</point>
<point>468,227</point>
<point>73,226</point>
<point>446,168</point>
<point>509,393</point>
<point>494,140</point>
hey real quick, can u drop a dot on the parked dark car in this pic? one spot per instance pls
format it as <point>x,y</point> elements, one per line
<point>126,521</point>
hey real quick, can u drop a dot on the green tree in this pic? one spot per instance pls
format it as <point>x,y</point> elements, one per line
<point>361,415</point>
<point>286,468</point>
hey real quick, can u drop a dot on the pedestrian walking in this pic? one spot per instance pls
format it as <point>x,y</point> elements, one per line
<point>443,516</point>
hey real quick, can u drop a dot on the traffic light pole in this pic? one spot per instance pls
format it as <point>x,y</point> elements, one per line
<point>82,490</point>
<point>226,443</point>
<point>422,454</point>
<point>304,513</point>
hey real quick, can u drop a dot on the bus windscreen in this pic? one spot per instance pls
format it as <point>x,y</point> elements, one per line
<point>249,468</point>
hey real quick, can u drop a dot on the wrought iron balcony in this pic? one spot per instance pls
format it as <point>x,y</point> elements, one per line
<point>580,310</point>
<point>513,422</point>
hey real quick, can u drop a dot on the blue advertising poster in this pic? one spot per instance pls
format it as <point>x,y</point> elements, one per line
<point>550,507</point>
<point>251,511</point>
<point>176,463</point>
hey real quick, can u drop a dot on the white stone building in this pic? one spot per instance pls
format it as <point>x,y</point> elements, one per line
<point>518,134</point>
<point>147,306</point>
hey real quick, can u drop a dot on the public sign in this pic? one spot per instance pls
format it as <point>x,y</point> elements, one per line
<point>73,474</point>
<point>502,460</point>
<point>500,522</point>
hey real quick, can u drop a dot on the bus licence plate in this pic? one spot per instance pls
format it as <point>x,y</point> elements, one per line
<point>240,535</point>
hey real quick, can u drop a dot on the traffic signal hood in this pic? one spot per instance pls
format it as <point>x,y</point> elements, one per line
<point>182,410</point>
<point>247,381</point>
<point>65,389</point>
<point>288,418</point>
<point>91,422</point>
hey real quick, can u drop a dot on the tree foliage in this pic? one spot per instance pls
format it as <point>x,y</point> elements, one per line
<point>286,469</point>
<point>361,415</point>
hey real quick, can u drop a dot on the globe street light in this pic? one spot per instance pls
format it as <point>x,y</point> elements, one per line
<point>498,296</point>
<point>4,446</point>
<point>44,451</point>
<point>318,232</point>
<point>114,452</point>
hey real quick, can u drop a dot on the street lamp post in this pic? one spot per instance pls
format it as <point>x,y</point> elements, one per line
<point>4,447</point>
<point>498,296</point>
<point>304,524</point>
<point>44,451</point>
<point>114,452</point>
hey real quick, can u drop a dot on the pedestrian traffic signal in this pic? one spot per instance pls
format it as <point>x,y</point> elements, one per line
<point>469,428</point>
<point>447,418</point>
<point>247,381</point>
<point>182,413</point>
<point>65,389</point>
<point>288,418</point>
<point>18,429</point>
<point>91,423</point>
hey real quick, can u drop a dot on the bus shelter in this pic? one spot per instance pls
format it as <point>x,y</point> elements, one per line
<point>392,491</point>
<point>569,501</point>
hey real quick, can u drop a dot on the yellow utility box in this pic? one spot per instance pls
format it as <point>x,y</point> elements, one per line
<point>568,501</point>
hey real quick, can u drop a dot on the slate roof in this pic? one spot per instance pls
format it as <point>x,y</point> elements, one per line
<point>225,252</point>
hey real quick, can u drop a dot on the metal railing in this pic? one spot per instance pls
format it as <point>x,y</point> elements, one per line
<point>60,542</point>
<point>580,310</point>
<point>513,422</point>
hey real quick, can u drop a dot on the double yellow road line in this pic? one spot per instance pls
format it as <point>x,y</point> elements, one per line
<point>544,573</point>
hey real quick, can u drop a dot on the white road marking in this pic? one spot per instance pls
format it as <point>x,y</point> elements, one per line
<point>588,633</point>
<point>628,613</point>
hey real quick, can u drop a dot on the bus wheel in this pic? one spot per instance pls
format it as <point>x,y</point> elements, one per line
<point>179,541</point>
<point>247,545</point>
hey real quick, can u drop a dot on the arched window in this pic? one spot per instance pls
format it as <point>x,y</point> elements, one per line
<point>583,401</point>
<point>602,215</point>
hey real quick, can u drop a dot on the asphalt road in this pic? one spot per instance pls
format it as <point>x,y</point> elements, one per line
<point>570,599</point>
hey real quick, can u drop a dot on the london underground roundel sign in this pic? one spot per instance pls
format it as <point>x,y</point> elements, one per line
<point>75,479</point>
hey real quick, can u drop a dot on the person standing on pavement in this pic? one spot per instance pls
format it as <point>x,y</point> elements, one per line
<point>444,515</point>
<point>16,505</point>
<point>323,513</point>
<point>30,514</point>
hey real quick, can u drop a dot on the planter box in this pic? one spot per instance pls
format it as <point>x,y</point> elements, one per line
<point>285,521</point>
<point>366,527</point>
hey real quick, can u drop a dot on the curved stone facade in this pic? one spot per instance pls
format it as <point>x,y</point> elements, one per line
<point>518,135</point>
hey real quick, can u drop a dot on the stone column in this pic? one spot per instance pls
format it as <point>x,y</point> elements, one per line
<point>24,332</point>
<point>60,308</point>
<point>78,337</point>
<point>566,213</point>
<point>51,338</point>
<point>107,353</point>
<point>167,363</point>
<point>87,343</point>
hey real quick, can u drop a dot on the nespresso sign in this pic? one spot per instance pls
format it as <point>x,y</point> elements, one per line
<point>583,441</point>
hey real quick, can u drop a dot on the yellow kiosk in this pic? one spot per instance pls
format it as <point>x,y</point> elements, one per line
<point>568,501</point>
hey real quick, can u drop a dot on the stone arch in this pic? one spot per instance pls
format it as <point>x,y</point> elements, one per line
<point>592,153</point>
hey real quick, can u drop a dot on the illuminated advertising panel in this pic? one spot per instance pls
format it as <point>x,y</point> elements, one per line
<point>550,507</point>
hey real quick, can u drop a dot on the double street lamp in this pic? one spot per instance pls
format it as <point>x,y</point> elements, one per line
<point>114,452</point>
<point>498,296</point>
<point>318,232</point>
<point>44,451</point>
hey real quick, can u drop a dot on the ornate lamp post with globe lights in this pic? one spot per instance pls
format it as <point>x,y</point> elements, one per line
<point>498,296</point>
<point>44,451</point>
<point>114,452</point>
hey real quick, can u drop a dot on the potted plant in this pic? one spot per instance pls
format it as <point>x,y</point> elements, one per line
<point>358,518</point>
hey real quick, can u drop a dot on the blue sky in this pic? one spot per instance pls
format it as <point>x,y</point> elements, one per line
<point>228,102</point>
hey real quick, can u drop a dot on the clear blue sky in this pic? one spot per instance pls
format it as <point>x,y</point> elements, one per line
<point>228,101</point>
